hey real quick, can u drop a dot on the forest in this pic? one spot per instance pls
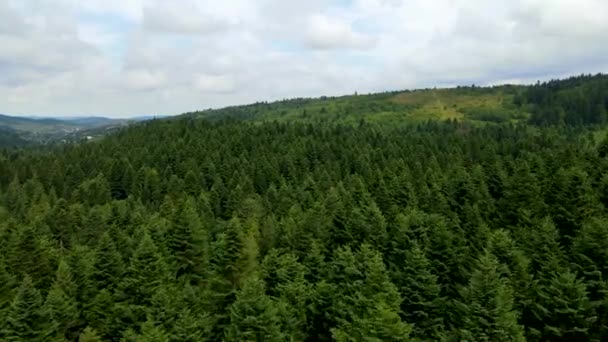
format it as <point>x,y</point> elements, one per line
<point>261,228</point>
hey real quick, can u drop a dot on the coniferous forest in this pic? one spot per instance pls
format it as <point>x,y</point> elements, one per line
<point>189,229</point>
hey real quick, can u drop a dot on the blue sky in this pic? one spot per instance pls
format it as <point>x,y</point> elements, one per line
<point>130,57</point>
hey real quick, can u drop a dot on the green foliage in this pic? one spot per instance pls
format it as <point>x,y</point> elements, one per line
<point>336,222</point>
<point>577,100</point>
<point>365,304</point>
<point>253,316</point>
<point>487,306</point>
<point>422,301</point>
<point>563,308</point>
<point>24,319</point>
<point>89,335</point>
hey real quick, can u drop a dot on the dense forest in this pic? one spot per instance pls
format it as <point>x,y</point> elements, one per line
<point>229,230</point>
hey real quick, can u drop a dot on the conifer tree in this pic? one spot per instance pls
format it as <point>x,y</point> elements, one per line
<point>146,272</point>
<point>187,241</point>
<point>89,335</point>
<point>562,309</point>
<point>61,307</point>
<point>365,304</point>
<point>421,292</point>
<point>27,256</point>
<point>109,267</point>
<point>253,315</point>
<point>102,314</point>
<point>24,320</point>
<point>487,308</point>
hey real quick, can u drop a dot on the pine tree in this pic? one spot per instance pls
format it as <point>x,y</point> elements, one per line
<point>89,335</point>
<point>562,309</point>
<point>590,252</point>
<point>23,321</point>
<point>109,267</point>
<point>102,314</point>
<point>187,241</point>
<point>513,265</point>
<point>365,304</point>
<point>146,272</point>
<point>27,256</point>
<point>487,305</point>
<point>253,316</point>
<point>422,302</point>
<point>286,283</point>
<point>62,312</point>
<point>7,287</point>
<point>149,333</point>
<point>181,311</point>
<point>60,307</point>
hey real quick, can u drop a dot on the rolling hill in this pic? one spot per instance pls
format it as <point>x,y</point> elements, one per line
<point>475,104</point>
<point>19,130</point>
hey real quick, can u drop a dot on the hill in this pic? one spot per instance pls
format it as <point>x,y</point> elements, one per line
<point>9,138</point>
<point>44,130</point>
<point>475,104</point>
<point>576,100</point>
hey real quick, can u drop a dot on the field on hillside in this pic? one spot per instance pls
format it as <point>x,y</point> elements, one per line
<point>473,104</point>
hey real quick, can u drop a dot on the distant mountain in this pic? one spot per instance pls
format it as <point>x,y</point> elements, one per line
<point>148,117</point>
<point>49,129</point>
<point>10,138</point>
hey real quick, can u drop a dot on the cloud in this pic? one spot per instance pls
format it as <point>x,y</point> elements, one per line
<point>215,84</point>
<point>326,33</point>
<point>127,57</point>
<point>182,18</point>
<point>144,79</point>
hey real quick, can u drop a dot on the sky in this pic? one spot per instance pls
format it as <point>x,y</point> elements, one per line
<point>121,58</point>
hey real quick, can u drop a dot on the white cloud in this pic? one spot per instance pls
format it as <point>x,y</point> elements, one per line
<point>215,84</point>
<point>325,33</point>
<point>182,18</point>
<point>144,79</point>
<point>127,57</point>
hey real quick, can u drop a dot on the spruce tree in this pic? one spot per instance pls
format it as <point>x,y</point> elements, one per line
<point>109,267</point>
<point>365,304</point>
<point>187,241</point>
<point>421,292</point>
<point>253,315</point>
<point>146,272</point>
<point>562,309</point>
<point>61,307</point>
<point>24,319</point>
<point>487,308</point>
<point>89,335</point>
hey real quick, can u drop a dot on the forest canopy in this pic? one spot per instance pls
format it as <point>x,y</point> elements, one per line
<point>196,230</point>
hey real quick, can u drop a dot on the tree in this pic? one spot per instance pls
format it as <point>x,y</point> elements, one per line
<point>28,256</point>
<point>487,305</point>
<point>149,333</point>
<point>60,307</point>
<point>590,251</point>
<point>253,315</point>
<point>23,321</point>
<point>187,241</point>
<point>89,335</point>
<point>146,272</point>
<point>422,301</point>
<point>365,304</point>
<point>562,309</point>
<point>109,267</point>
<point>286,284</point>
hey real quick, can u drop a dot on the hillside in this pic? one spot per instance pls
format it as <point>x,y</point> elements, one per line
<point>474,104</point>
<point>9,138</point>
<point>439,214</point>
<point>44,130</point>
